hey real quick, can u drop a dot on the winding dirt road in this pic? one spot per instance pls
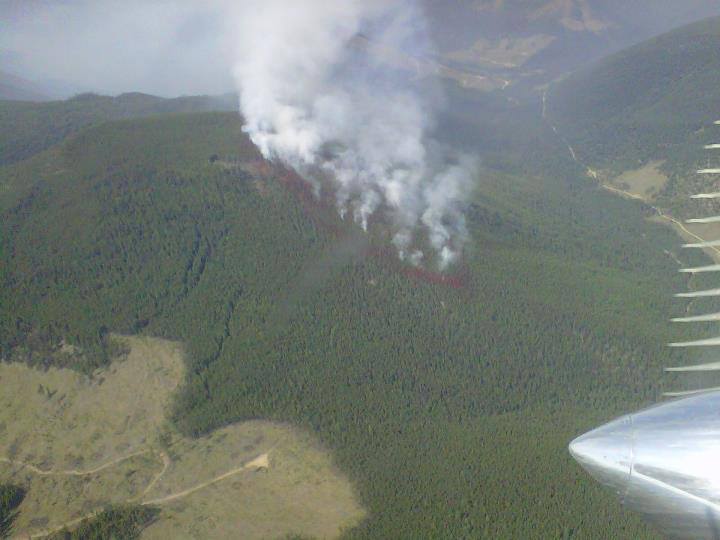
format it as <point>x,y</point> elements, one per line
<point>71,472</point>
<point>593,174</point>
<point>260,462</point>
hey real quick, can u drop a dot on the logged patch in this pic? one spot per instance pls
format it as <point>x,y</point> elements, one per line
<point>78,444</point>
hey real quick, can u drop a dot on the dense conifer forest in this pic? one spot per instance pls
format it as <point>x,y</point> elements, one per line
<point>449,402</point>
<point>28,128</point>
<point>121,522</point>
<point>10,498</point>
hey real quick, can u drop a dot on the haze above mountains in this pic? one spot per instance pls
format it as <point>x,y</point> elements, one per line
<point>181,48</point>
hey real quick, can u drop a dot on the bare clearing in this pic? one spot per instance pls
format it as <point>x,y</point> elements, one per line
<point>503,53</point>
<point>263,481</point>
<point>692,233</point>
<point>575,15</point>
<point>60,419</point>
<point>645,182</point>
<point>79,443</point>
<point>425,66</point>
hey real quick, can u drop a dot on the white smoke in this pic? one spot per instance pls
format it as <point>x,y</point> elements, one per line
<point>312,100</point>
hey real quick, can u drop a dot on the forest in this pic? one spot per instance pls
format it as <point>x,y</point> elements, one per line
<point>448,402</point>
<point>10,498</point>
<point>121,522</point>
<point>27,128</point>
<point>644,101</point>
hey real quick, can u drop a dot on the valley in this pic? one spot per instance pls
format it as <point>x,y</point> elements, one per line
<point>644,185</point>
<point>652,155</point>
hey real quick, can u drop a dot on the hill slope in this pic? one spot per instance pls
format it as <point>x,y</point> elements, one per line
<point>644,99</point>
<point>450,408</point>
<point>655,102</point>
<point>28,128</point>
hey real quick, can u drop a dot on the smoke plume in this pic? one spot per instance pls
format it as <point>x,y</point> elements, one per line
<point>315,96</point>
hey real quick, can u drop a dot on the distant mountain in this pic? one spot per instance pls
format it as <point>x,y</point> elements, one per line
<point>653,101</point>
<point>536,40</point>
<point>17,88</point>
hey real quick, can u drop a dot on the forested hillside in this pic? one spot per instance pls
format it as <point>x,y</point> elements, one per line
<point>126,522</point>
<point>654,101</point>
<point>449,402</point>
<point>28,128</point>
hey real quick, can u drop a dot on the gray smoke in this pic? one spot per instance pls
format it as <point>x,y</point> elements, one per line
<point>164,47</point>
<point>312,99</point>
<point>326,86</point>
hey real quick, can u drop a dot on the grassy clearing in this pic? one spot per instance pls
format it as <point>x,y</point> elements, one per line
<point>645,182</point>
<point>281,482</point>
<point>60,420</point>
<point>503,53</point>
<point>78,444</point>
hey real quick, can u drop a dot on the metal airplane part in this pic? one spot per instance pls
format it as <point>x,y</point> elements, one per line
<point>713,219</point>
<point>699,294</point>
<point>698,269</point>
<point>711,342</point>
<point>664,461</point>
<point>712,366</point>
<point>711,243</point>
<point>698,318</point>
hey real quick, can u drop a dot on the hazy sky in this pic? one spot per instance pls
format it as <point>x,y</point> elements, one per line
<point>164,47</point>
<point>175,47</point>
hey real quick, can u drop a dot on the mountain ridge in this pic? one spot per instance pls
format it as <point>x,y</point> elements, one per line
<point>168,232</point>
<point>654,102</point>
